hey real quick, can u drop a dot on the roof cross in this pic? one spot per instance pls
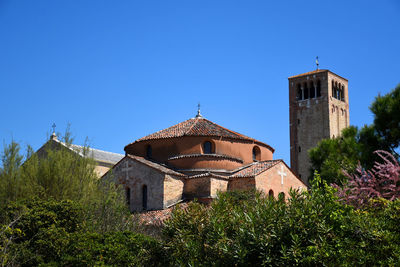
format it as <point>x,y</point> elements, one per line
<point>198,111</point>
<point>54,127</point>
<point>317,62</point>
<point>282,173</point>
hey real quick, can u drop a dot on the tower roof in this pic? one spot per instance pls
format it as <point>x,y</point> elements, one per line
<point>198,126</point>
<point>315,72</point>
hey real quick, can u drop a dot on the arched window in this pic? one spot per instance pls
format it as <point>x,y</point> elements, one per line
<point>149,152</point>
<point>318,88</point>
<point>144,197</point>
<point>128,196</point>
<point>342,92</point>
<point>305,89</point>
<point>299,148</point>
<point>207,147</point>
<point>299,95</point>
<point>333,88</point>
<point>256,153</point>
<point>271,193</point>
<point>281,196</point>
<point>312,90</point>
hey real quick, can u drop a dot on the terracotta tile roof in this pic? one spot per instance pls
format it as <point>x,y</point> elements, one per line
<point>158,217</point>
<point>198,126</point>
<point>314,72</point>
<point>308,73</point>
<point>155,165</point>
<point>208,174</point>
<point>215,156</point>
<point>255,169</point>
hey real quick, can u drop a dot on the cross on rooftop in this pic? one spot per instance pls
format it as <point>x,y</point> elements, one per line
<point>282,173</point>
<point>198,111</point>
<point>54,127</point>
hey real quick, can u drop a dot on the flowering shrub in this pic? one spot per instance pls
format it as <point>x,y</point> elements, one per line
<point>382,181</point>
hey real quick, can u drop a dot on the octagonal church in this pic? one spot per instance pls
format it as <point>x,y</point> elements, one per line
<point>194,160</point>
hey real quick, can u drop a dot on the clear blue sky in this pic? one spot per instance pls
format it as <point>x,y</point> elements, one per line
<point>119,70</point>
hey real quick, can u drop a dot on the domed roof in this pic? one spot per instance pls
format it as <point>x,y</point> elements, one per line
<point>198,126</point>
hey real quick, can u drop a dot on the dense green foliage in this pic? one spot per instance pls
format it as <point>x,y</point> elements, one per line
<point>333,156</point>
<point>54,232</point>
<point>311,229</point>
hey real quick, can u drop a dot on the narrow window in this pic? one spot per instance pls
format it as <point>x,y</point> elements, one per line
<point>333,89</point>
<point>299,148</point>
<point>305,91</point>
<point>312,90</point>
<point>256,153</point>
<point>144,197</point>
<point>271,193</point>
<point>281,196</point>
<point>149,152</point>
<point>298,121</point>
<point>207,147</point>
<point>299,92</point>
<point>343,93</point>
<point>318,88</point>
<point>128,196</point>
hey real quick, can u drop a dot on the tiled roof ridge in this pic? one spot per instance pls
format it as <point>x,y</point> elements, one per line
<point>242,173</point>
<point>233,132</point>
<point>207,174</point>
<point>155,165</point>
<point>147,137</point>
<point>223,156</point>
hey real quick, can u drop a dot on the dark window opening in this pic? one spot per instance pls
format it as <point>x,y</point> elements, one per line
<point>128,196</point>
<point>207,147</point>
<point>299,93</point>
<point>281,196</point>
<point>318,88</point>
<point>256,153</point>
<point>144,197</point>
<point>312,90</point>
<point>271,193</point>
<point>305,91</point>
<point>298,121</point>
<point>299,148</point>
<point>149,152</point>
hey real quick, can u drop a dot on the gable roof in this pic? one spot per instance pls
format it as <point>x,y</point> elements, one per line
<point>154,165</point>
<point>198,126</point>
<point>95,154</point>
<point>255,168</point>
<point>99,155</point>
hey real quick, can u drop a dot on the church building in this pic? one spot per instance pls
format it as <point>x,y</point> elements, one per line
<point>195,159</point>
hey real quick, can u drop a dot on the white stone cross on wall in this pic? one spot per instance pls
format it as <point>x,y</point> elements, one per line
<point>282,173</point>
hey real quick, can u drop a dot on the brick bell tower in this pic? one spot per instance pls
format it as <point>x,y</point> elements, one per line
<point>318,109</point>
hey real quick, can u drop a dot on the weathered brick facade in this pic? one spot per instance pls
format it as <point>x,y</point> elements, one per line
<point>318,109</point>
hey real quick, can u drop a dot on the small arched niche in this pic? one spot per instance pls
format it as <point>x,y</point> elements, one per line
<point>208,147</point>
<point>271,193</point>
<point>256,153</point>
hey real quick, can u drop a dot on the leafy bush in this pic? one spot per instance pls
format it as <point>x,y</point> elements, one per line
<point>55,233</point>
<point>312,228</point>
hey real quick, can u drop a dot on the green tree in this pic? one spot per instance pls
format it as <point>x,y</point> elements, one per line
<point>10,174</point>
<point>386,110</point>
<point>333,156</point>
